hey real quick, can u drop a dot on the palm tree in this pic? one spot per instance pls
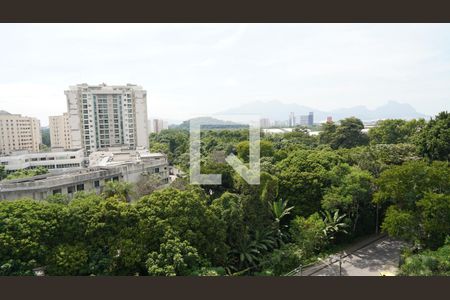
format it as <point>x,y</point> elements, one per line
<point>247,253</point>
<point>264,240</point>
<point>121,189</point>
<point>333,224</point>
<point>280,210</point>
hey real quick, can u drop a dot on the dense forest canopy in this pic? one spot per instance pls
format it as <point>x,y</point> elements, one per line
<point>316,194</point>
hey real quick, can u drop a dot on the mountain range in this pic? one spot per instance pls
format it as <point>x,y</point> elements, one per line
<point>210,123</point>
<point>277,110</point>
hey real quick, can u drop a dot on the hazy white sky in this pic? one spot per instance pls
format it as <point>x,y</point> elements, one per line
<point>191,69</point>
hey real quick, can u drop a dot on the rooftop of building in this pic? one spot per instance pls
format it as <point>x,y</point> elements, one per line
<point>114,156</point>
<point>54,151</point>
<point>112,168</point>
<point>104,86</point>
<point>5,114</point>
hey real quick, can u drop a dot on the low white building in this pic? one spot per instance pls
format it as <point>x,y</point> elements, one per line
<point>55,161</point>
<point>114,164</point>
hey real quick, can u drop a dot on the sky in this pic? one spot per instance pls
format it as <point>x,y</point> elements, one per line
<point>196,69</point>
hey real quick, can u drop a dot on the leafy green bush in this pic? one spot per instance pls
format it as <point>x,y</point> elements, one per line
<point>428,263</point>
<point>308,233</point>
<point>283,260</point>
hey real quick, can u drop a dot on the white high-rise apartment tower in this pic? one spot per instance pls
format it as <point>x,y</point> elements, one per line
<point>19,133</point>
<point>60,131</point>
<point>102,116</point>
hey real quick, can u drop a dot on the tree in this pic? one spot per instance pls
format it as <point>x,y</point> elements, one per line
<point>351,192</point>
<point>230,209</point>
<point>327,134</point>
<point>121,189</point>
<point>2,172</point>
<point>428,263</point>
<point>174,143</point>
<point>43,148</point>
<point>377,158</point>
<point>45,133</point>
<point>299,137</point>
<point>304,177</point>
<point>187,214</point>
<point>227,172</point>
<point>23,173</point>
<point>28,231</point>
<point>255,198</point>
<point>435,218</point>
<point>68,260</point>
<point>175,257</point>
<point>417,193</point>
<point>250,250</point>
<point>349,134</point>
<point>308,234</point>
<point>58,198</point>
<point>107,229</point>
<point>147,185</point>
<point>285,259</point>
<point>434,140</point>
<point>280,210</point>
<point>333,224</point>
<point>406,184</point>
<point>401,224</point>
<point>395,131</point>
<point>243,149</point>
<point>247,254</point>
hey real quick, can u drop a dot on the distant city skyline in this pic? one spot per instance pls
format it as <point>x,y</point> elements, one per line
<point>195,69</point>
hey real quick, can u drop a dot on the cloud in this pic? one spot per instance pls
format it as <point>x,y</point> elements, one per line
<point>231,39</point>
<point>210,67</point>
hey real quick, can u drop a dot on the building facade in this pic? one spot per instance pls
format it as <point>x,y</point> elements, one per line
<point>264,123</point>
<point>304,120</point>
<point>19,133</point>
<point>60,132</point>
<point>118,166</point>
<point>59,161</point>
<point>292,119</point>
<point>311,118</point>
<point>102,116</point>
<point>156,125</point>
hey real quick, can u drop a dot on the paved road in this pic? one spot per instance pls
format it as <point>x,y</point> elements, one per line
<point>382,255</point>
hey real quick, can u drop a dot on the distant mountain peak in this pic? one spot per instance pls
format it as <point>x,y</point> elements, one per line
<point>277,110</point>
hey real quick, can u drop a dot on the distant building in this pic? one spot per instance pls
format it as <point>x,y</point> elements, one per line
<point>292,119</point>
<point>156,125</point>
<point>56,161</point>
<point>311,119</point>
<point>102,116</point>
<point>329,119</point>
<point>281,123</point>
<point>60,132</point>
<point>264,123</point>
<point>304,120</point>
<point>19,133</point>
